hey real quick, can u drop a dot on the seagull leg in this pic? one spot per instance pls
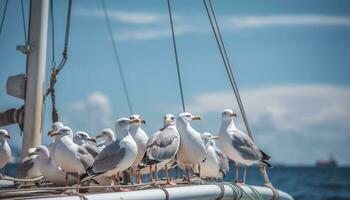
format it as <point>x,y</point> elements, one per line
<point>78,182</point>
<point>245,173</point>
<point>132,175</point>
<point>150,174</point>
<point>199,171</point>
<point>139,177</point>
<point>66,180</point>
<point>168,180</point>
<point>237,168</point>
<point>187,173</point>
<point>156,169</point>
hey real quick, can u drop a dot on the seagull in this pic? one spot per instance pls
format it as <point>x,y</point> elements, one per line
<point>118,156</point>
<point>141,139</point>
<point>192,150</point>
<point>50,171</point>
<point>71,157</point>
<point>238,146</point>
<point>29,167</point>
<point>107,136</point>
<point>5,150</point>
<point>82,139</point>
<point>162,147</point>
<point>216,164</point>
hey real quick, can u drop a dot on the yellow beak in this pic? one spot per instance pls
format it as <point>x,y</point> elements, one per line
<point>196,117</point>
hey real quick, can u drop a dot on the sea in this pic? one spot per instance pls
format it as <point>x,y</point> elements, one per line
<point>302,183</point>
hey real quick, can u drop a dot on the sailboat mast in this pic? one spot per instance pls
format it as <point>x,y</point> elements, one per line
<point>36,62</point>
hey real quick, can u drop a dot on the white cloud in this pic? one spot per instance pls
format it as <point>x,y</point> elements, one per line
<point>313,118</point>
<point>130,17</point>
<point>92,114</point>
<point>285,20</point>
<point>152,33</point>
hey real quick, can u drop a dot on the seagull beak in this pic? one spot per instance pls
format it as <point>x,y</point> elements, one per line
<point>135,121</point>
<point>196,117</point>
<point>214,137</point>
<point>98,136</point>
<point>8,136</point>
<point>33,153</point>
<point>91,139</point>
<point>52,133</point>
<point>234,115</point>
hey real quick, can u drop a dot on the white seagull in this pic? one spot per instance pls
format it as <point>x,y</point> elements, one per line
<point>108,136</point>
<point>141,139</point>
<point>71,157</point>
<point>119,155</point>
<point>216,164</point>
<point>192,150</point>
<point>162,147</point>
<point>5,150</point>
<point>29,167</point>
<point>82,138</point>
<point>238,146</point>
<point>50,171</point>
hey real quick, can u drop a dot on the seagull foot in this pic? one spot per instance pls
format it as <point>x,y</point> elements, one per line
<point>170,182</point>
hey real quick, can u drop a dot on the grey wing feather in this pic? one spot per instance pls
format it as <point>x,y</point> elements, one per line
<point>85,157</point>
<point>165,145</point>
<point>244,144</point>
<point>223,162</point>
<point>24,168</point>
<point>93,150</point>
<point>109,158</point>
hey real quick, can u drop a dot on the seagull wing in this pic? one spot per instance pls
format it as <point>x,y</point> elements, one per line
<point>85,157</point>
<point>109,158</point>
<point>24,168</point>
<point>223,162</point>
<point>245,146</point>
<point>162,146</point>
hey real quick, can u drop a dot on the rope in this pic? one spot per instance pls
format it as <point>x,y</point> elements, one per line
<point>176,57</point>
<point>255,192</point>
<point>165,192</point>
<point>24,24</point>
<point>3,16</point>
<point>220,43</point>
<point>56,69</point>
<point>222,190</point>
<point>117,57</point>
<point>7,178</point>
<point>236,190</point>
<point>275,194</point>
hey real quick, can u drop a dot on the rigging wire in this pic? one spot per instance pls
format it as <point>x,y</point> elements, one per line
<point>220,43</point>
<point>3,16</point>
<point>24,24</point>
<point>176,57</point>
<point>56,69</point>
<point>125,88</point>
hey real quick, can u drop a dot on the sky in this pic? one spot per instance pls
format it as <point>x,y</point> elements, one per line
<point>290,60</point>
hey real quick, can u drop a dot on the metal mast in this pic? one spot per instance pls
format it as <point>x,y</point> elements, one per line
<point>36,61</point>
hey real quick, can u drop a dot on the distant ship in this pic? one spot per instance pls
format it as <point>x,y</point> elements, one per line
<point>331,162</point>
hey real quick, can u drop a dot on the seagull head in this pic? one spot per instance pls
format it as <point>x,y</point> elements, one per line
<point>209,138</point>
<point>228,115</point>
<point>64,131</point>
<point>123,124</point>
<point>83,137</point>
<point>4,135</point>
<point>42,152</point>
<point>31,152</point>
<point>169,120</point>
<point>187,117</point>
<point>106,134</point>
<point>137,120</point>
<point>55,127</point>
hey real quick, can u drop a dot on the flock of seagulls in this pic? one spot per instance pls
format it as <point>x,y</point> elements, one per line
<point>72,158</point>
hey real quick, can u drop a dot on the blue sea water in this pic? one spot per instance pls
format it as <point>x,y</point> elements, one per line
<point>303,183</point>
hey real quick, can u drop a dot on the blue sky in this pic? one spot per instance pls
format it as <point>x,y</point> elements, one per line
<point>290,59</point>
